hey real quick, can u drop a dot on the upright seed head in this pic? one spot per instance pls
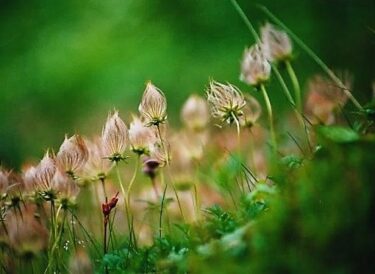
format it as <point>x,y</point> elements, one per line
<point>115,137</point>
<point>97,166</point>
<point>153,107</point>
<point>72,155</point>
<point>276,43</point>
<point>141,137</point>
<point>195,113</point>
<point>29,178</point>
<point>226,102</point>
<point>251,112</point>
<point>67,190</point>
<point>255,69</point>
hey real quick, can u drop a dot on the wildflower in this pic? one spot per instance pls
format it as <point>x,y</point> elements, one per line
<point>4,182</point>
<point>227,102</point>
<point>153,107</point>
<point>276,43</point>
<point>255,69</point>
<point>115,137</point>
<point>251,112</point>
<point>29,178</point>
<point>141,137</point>
<point>44,174</point>
<point>97,167</point>
<point>150,166</point>
<point>67,190</point>
<point>80,263</point>
<point>72,155</point>
<point>324,97</point>
<point>27,236</point>
<point>195,113</point>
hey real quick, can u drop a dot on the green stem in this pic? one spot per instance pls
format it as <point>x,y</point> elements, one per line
<point>123,195</point>
<point>312,54</point>
<point>161,211</point>
<point>270,117</point>
<point>295,83</point>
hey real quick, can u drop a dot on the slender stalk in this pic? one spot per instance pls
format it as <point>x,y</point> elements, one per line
<point>315,57</point>
<point>295,83</point>
<point>270,117</point>
<point>123,195</point>
<point>132,181</point>
<point>161,211</point>
<point>245,19</point>
<point>153,182</point>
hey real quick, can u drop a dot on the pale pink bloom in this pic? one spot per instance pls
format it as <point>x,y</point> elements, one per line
<point>195,113</point>
<point>141,137</point>
<point>277,45</point>
<point>153,106</point>
<point>45,172</point>
<point>251,112</point>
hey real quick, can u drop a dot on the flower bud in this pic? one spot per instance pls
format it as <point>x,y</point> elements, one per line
<point>226,102</point>
<point>45,172</point>
<point>195,113</point>
<point>72,154</point>
<point>276,43</point>
<point>115,137</point>
<point>255,69</point>
<point>153,107</point>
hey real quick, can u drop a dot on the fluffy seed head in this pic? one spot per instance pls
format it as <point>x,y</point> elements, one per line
<point>324,97</point>
<point>72,154</point>
<point>226,102</point>
<point>97,166</point>
<point>115,137</point>
<point>141,137</point>
<point>195,113</point>
<point>153,107</point>
<point>255,69</point>
<point>65,186</point>
<point>276,43</point>
<point>251,112</point>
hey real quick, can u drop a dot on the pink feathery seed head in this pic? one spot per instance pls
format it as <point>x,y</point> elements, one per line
<point>45,172</point>
<point>255,68</point>
<point>277,45</point>
<point>195,113</point>
<point>27,235</point>
<point>153,106</point>
<point>226,102</point>
<point>251,112</point>
<point>141,137</point>
<point>4,181</point>
<point>115,137</point>
<point>72,155</point>
<point>97,164</point>
<point>65,186</point>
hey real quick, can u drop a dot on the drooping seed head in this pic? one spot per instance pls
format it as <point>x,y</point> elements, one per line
<point>277,45</point>
<point>324,97</point>
<point>45,172</point>
<point>27,236</point>
<point>153,107</point>
<point>255,69</point>
<point>72,155</point>
<point>195,113</point>
<point>141,137</point>
<point>115,137</point>
<point>251,112</point>
<point>226,102</point>
<point>4,182</point>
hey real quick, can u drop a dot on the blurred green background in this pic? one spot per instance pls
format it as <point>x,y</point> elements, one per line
<point>65,64</point>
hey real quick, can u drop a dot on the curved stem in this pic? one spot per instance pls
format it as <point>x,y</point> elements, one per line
<point>295,83</point>
<point>123,195</point>
<point>270,117</point>
<point>238,132</point>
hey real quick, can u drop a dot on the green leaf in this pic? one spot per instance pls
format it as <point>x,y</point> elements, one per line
<point>338,134</point>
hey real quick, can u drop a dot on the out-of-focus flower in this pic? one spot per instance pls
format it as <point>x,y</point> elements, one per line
<point>67,190</point>
<point>72,155</point>
<point>255,68</point>
<point>45,172</point>
<point>115,137</point>
<point>195,113</point>
<point>97,166</point>
<point>157,158</point>
<point>27,236</point>
<point>276,43</point>
<point>153,107</point>
<point>251,112</point>
<point>80,263</point>
<point>226,101</point>
<point>29,178</point>
<point>141,137</point>
<point>324,97</point>
<point>4,182</point>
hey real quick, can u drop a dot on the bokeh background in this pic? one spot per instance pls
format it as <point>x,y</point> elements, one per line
<point>65,64</point>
